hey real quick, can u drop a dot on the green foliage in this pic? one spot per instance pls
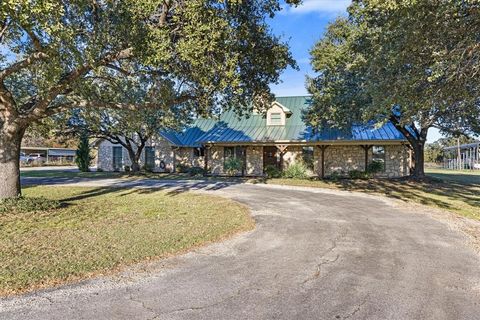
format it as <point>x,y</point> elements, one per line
<point>147,168</point>
<point>72,54</point>
<point>375,167</point>
<point>83,156</point>
<point>202,56</point>
<point>232,166</point>
<point>335,175</point>
<point>196,171</point>
<point>106,230</point>
<point>272,171</point>
<point>391,60</point>
<point>358,174</point>
<point>405,36</point>
<point>127,168</point>
<point>183,168</point>
<point>297,170</point>
<point>434,153</point>
<point>27,204</point>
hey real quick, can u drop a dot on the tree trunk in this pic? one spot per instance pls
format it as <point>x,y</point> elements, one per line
<point>417,142</point>
<point>135,166</point>
<point>10,140</point>
<point>134,159</point>
<point>419,164</point>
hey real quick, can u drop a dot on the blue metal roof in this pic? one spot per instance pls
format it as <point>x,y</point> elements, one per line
<point>230,128</point>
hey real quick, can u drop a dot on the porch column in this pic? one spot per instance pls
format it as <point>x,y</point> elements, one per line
<point>205,164</point>
<point>366,148</point>
<point>174,150</point>
<point>282,148</point>
<point>322,160</point>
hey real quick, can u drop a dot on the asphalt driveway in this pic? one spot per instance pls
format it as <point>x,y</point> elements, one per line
<point>313,255</point>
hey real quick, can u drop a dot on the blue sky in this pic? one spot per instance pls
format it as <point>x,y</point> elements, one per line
<point>302,27</point>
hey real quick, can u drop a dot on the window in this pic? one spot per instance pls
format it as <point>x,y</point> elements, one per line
<point>228,152</point>
<point>307,157</point>
<point>198,152</point>
<point>379,155</point>
<point>117,158</point>
<point>235,153</point>
<point>275,118</point>
<point>149,157</point>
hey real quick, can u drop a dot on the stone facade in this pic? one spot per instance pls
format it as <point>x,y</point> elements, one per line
<point>215,160</point>
<point>339,159</point>
<point>186,157</point>
<point>397,161</point>
<point>254,161</point>
<point>342,159</point>
<point>105,156</point>
<point>163,153</point>
<point>292,155</point>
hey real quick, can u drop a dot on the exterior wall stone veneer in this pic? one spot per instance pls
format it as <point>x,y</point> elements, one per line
<point>338,158</point>
<point>105,156</point>
<point>254,161</point>
<point>343,159</point>
<point>292,155</point>
<point>186,157</point>
<point>163,152</point>
<point>396,161</point>
<point>215,160</point>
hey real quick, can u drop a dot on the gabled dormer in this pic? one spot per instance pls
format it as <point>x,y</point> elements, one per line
<point>277,114</point>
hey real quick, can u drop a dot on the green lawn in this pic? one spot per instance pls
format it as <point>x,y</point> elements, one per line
<point>463,177</point>
<point>55,173</point>
<point>103,175</point>
<point>97,230</point>
<point>458,192</point>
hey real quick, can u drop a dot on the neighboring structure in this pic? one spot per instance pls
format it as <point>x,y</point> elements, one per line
<point>50,155</point>
<point>278,138</point>
<point>462,157</point>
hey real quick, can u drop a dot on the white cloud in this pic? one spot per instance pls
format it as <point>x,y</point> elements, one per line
<point>320,6</point>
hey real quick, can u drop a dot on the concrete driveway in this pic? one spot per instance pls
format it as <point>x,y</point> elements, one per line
<point>313,255</point>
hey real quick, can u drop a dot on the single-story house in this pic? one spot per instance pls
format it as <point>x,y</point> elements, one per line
<point>278,138</point>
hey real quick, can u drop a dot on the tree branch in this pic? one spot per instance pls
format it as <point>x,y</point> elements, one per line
<point>82,103</point>
<point>7,102</point>
<point>34,57</point>
<point>65,81</point>
<point>119,69</point>
<point>4,29</point>
<point>411,139</point>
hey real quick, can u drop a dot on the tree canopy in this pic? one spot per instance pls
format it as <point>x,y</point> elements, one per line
<point>415,63</point>
<point>58,55</point>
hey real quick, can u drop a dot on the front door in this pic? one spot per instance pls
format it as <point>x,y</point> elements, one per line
<point>149,158</point>
<point>270,157</point>
<point>117,158</point>
<point>241,154</point>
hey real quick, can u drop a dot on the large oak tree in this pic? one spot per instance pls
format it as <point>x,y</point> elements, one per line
<point>221,52</point>
<point>415,63</point>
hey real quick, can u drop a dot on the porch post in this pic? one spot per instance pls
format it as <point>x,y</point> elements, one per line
<point>205,164</point>
<point>322,149</point>
<point>366,148</point>
<point>282,148</point>
<point>174,159</point>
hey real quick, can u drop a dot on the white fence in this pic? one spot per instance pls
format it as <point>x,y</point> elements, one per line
<point>468,159</point>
